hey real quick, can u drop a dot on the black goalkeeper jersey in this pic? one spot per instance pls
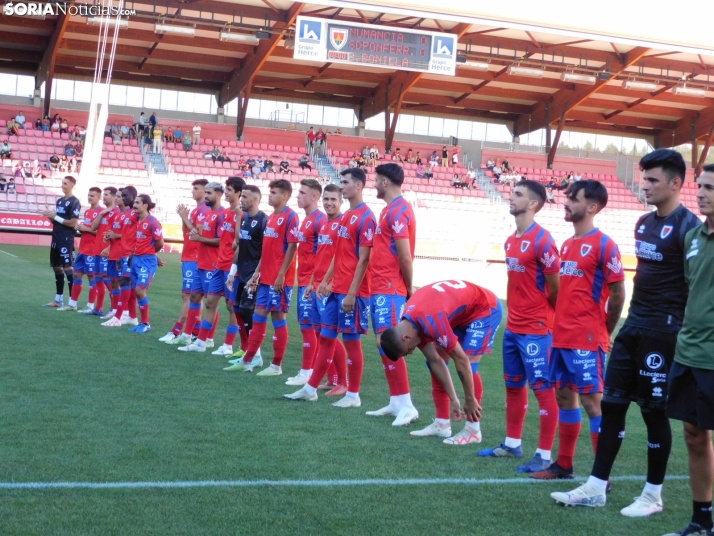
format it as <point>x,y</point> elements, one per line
<point>250,246</point>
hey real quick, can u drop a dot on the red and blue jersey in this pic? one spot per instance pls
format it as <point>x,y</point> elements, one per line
<point>587,266</point>
<point>228,236</point>
<point>307,245</point>
<point>88,241</point>
<point>356,231</point>
<point>128,231</point>
<point>281,230</point>
<point>327,236</point>
<point>210,228</point>
<point>117,225</point>
<point>189,253</point>
<point>529,258</point>
<point>396,222</point>
<point>105,225</point>
<point>437,309</point>
<point>148,231</point>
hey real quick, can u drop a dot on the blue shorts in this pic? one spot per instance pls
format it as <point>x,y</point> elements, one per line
<point>125,267</point>
<point>102,266</point>
<point>114,269</point>
<point>580,370</point>
<point>334,318</point>
<point>201,282</point>
<point>477,338</point>
<point>386,310</point>
<point>85,264</point>
<point>189,270</point>
<point>217,286</point>
<point>526,357</point>
<point>308,314</point>
<point>143,270</point>
<point>269,300</point>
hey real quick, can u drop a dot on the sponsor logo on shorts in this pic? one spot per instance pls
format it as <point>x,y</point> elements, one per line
<point>654,361</point>
<point>532,349</point>
<point>657,391</point>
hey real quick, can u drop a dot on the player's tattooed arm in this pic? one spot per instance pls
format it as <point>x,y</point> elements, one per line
<point>615,304</point>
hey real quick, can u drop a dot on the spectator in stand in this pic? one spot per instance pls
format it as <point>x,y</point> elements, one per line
<point>6,150</point>
<point>365,152</point>
<point>69,149</point>
<point>55,127</point>
<point>64,164</point>
<point>563,184</point>
<point>261,165</point>
<point>158,137</point>
<point>17,170</point>
<point>38,124</point>
<point>374,155</point>
<point>320,138</point>
<point>578,177</point>
<point>169,135</point>
<point>338,132</point>
<point>124,129</point>
<point>247,173</point>
<point>444,156</point>
<point>250,162</point>
<point>178,134</point>
<point>268,165</point>
<point>215,153</point>
<point>429,173</point>
<point>472,177</point>
<point>3,182</point>
<point>153,122</point>
<point>142,124</point>
<point>74,135</point>
<point>20,119</point>
<point>196,134</point>
<point>79,149</point>
<point>410,156</point>
<point>36,170</point>
<point>455,157</point>
<point>505,165</point>
<point>311,137</point>
<point>11,187</point>
<point>116,137</point>
<point>304,162</point>
<point>83,134</point>
<point>54,162</point>
<point>549,195</point>
<point>361,162</point>
<point>133,132</point>
<point>420,170</point>
<point>46,124</point>
<point>285,166</point>
<point>187,143</point>
<point>456,181</point>
<point>490,164</point>
<point>223,156</point>
<point>551,184</point>
<point>353,162</point>
<point>63,126</point>
<point>12,128</point>
<point>497,172</point>
<point>255,170</point>
<point>397,156</point>
<point>434,159</point>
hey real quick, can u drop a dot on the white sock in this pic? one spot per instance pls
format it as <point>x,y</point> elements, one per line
<point>544,454</point>
<point>512,442</point>
<point>309,389</point>
<point>257,354</point>
<point>599,485</point>
<point>394,402</point>
<point>653,489</point>
<point>404,400</point>
<point>112,311</point>
<point>199,342</point>
<point>59,297</point>
<point>443,422</point>
<point>72,303</point>
<point>353,395</point>
<point>90,305</point>
<point>305,372</point>
<point>473,426</point>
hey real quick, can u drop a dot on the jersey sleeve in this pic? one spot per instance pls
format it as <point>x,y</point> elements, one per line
<point>548,256</point>
<point>612,268</point>
<point>399,224</point>
<point>441,333</point>
<point>156,230</point>
<point>366,232</point>
<point>75,209</point>
<point>292,228</point>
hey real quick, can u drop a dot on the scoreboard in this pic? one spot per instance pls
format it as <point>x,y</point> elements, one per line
<point>326,40</point>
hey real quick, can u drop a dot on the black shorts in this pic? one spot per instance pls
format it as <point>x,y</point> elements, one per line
<point>245,298</point>
<point>62,253</point>
<point>638,366</point>
<point>691,396</point>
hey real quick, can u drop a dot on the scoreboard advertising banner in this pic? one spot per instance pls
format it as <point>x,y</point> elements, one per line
<point>377,46</point>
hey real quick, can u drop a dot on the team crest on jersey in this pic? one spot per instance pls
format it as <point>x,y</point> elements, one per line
<point>525,245</point>
<point>666,231</point>
<point>280,221</point>
<point>254,223</point>
<point>308,224</point>
<point>353,219</point>
<point>641,229</point>
<point>214,217</point>
<point>334,225</point>
<point>585,249</point>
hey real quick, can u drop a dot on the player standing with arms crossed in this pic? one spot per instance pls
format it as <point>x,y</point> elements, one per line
<point>64,219</point>
<point>346,286</point>
<point>533,281</point>
<point>274,278</point>
<point>590,300</point>
<point>644,348</point>
<point>391,272</point>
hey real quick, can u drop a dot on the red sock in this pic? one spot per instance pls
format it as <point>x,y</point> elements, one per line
<point>114,299</point>
<point>569,433</point>
<point>212,333</point>
<point>203,332</point>
<point>76,290</point>
<point>388,366</point>
<point>441,399</point>
<point>243,332</point>
<point>548,418</point>
<point>331,373</point>
<point>309,343</point>
<point>280,341</point>
<point>92,294</point>
<point>478,387</point>
<point>340,360</point>
<point>123,303</point>
<point>132,304</point>
<point>144,309</point>
<point>101,291</point>
<point>231,335</point>
<point>178,326</point>
<point>516,409</point>
<point>192,318</point>
<point>322,361</point>
<point>594,437</point>
<point>401,377</point>
<point>355,364</point>
<point>255,339</point>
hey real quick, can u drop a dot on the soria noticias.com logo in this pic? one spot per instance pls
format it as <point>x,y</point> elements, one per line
<point>42,9</point>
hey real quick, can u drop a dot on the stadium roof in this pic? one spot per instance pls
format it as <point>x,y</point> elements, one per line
<point>65,46</point>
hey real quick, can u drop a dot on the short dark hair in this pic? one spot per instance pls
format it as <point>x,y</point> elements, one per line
<point>235,183</point>
<point>252,188</point>
<point>111,190</point>
<point>131,190</point>
<point>535,188</point>
<point>709,168</point>
<point>389,342</point>
<point>332,187</point>
<point>671,162</point>
<point>393,172</point>
<point>146,200</point>
<point>71,179</point>
<point>96,189</point>
<point>312,184</point>
<point>356,173</point>
<point>199,182</point>
<point>593,190</point>
<point>281,184</point>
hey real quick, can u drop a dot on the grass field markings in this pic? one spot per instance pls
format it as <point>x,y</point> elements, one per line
<point>295,483</point>
<point>6,253</point>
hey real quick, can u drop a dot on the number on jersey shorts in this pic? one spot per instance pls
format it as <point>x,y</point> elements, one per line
<point>308,315</point>
<point>639,364</point>
<point>125,263</point>
<point>189,271</point>
<point>218,286</point>
<point>114,269</point>
<point>269,300</point>
<point>102,266</point>
<point>62,253</point>
<point>143,270</point>
<point>201,281</point>
<point>336,320</point>
<point>477,338</point>
<point>526,357</point>
<point>85,264</point>
<point>580,370</point>
<point>386,310</point>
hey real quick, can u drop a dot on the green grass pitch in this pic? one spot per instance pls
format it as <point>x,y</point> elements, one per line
<point>83,403</point>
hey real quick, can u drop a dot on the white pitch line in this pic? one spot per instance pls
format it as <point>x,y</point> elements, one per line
<point>6,253</point>
<point>293,483</point>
